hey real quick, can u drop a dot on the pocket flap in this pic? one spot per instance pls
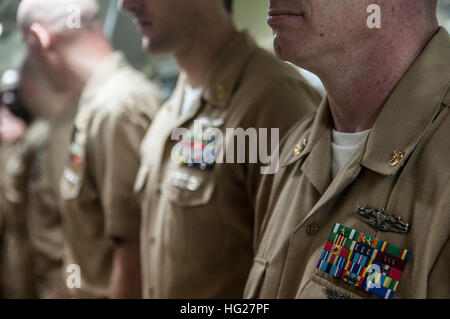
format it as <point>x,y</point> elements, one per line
<point>189,187</point>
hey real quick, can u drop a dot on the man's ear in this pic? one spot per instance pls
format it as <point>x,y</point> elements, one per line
<point>41,36</point>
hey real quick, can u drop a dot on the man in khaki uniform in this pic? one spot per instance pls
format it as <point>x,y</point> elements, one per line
<point>31,197</point>
<point>16,275</point>
<point>360,207</point>
<point>33,256</point>
<point>115,107</point>
<point>33,212</point>
<point>198,216</point>
<point>5,153</point>
<point>7,142</point>
<point>19,176</point>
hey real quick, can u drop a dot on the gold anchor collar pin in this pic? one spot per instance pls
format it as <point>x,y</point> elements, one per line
<point>396,158</point>
<point>300,147</point>
<point>218,94</point>
<point>221,93</point>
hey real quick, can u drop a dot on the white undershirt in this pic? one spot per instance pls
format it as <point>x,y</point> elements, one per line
<point>191,96</point>
<point>343,146</point>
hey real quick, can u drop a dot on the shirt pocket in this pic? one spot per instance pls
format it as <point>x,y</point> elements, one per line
<point>256,278</point>
<point>323,285</point>
<point>189,187</point>
<point>194,232</point>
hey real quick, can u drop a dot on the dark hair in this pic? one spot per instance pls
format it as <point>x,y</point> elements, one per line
<point>228,5</point>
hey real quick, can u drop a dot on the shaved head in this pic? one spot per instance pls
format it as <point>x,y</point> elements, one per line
<point>65,40</point>
<point>55,14</point>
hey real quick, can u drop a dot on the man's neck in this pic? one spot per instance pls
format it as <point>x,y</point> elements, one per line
<point>361,79</point>
<point>84,57</point>
<point>197,59</point>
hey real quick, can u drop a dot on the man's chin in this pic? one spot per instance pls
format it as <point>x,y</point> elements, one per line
<point>281,47</point>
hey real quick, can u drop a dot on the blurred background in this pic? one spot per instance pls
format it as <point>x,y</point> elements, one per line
<point>248,14</point>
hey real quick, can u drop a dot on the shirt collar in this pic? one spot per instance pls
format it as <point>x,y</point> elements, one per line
<point>407,114</point>
<point>410,109</point>
<point>228,69</point>
<point>313,147</point>
<point>222,80</point>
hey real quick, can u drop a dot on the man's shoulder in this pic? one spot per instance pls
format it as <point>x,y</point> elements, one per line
<point>127,94</point>
<point>266,62</point>
<point>131,88</point>
<point>266,69</point>
<point>269,79</point>
<point>128,80</point>
<point>272,92</point>
<point>126,91</point>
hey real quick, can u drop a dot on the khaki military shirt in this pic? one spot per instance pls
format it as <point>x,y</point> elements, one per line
<point>19,170</point>
<point>44,221</point>
<point>20,173</point>
<point>404,165</point>
<point>5,153</point>
<point>45,226</point>
<point>114,112</point>
<point>198,216</point>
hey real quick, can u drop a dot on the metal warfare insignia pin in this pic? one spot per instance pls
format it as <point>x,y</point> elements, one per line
<point>363,261</point>
<point>382,219</point>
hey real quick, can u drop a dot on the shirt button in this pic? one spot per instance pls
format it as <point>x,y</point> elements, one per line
<point>152,240</point>
<point>312,229</point>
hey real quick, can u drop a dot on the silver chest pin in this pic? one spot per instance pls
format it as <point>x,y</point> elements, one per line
<point>382,219</point>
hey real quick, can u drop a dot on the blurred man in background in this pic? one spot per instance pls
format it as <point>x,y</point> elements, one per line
<point>199,216</point>
<point>31,203</point>
<point>115,106</point>
<point>14,248</point>
<point>369,185</point>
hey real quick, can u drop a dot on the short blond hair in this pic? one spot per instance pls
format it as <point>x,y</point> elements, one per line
<point>55,14</point>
